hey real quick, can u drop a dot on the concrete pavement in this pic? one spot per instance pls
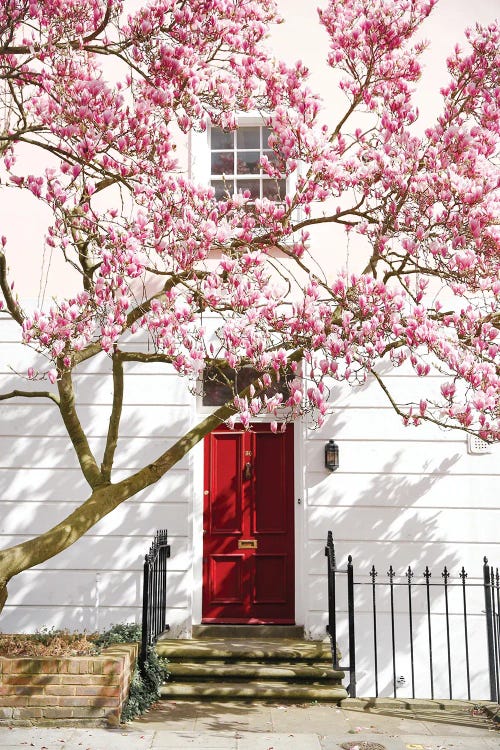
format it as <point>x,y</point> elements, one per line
<point>235,725</point>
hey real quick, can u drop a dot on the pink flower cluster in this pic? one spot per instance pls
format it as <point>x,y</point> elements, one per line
<point>108,95</point>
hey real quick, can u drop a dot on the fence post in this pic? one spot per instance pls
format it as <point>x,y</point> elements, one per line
<point>331,628</point>
<point>490,630</point>
<point>352,641</point>
<point>145,612</point>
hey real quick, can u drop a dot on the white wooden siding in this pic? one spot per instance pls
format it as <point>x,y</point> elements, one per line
<point>402,496</point>
<point>97,581</point>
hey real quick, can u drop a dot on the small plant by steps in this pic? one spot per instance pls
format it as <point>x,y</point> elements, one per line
<point>146,683</point>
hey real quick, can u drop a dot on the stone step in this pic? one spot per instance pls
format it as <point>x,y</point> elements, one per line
<point>252,690</point>
<point>253,649</point>
<point>221,670</point>
<point>250,668</point>
<point>249,631</point>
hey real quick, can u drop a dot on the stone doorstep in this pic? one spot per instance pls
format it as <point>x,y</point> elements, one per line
<point>253,690</point>
<point>224,670</point>
<point>250,668</point>
<point>255,649</point>
<point>248,631</point>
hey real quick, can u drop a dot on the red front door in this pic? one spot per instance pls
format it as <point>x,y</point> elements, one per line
<point>248,560</point>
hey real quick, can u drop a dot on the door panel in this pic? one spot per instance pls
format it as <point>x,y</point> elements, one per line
<point>248,545</point>
<point>270,579</point>
<point>227,579</point>
<point>270,516</point>
<point>225,487</point>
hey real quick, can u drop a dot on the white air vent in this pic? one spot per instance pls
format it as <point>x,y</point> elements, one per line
<point>476,445</point>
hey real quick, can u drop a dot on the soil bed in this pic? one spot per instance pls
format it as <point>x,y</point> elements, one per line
<point>56,643</point>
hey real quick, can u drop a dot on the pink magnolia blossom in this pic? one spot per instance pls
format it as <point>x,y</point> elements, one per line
<point>155,252</point>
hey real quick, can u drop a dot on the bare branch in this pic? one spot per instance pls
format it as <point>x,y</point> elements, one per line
<point>114,420</point>
<point>420,417</point>
<point>30,394</point>
<point>72,423</point>
<point>146,357</point>
<point>12,305</point>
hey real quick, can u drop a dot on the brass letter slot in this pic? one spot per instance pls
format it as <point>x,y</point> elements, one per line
<point>247,543</point>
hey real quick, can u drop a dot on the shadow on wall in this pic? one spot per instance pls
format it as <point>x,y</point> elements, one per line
<point>97,581</point>
<point>406,498</point>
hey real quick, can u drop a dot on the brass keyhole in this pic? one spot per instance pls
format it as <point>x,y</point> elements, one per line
<point>247,471</point>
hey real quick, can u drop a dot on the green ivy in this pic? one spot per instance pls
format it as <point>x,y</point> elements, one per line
<point>123,632</point>
<point>145,685</point>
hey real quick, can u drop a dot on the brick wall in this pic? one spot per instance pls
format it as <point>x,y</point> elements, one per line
<point>71,690</point>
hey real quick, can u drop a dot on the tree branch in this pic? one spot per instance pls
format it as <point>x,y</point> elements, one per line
<point>155,470</point>
<point>114,420</point>
<point>145,357</point>
<point>420,417</point>
<point>75,431</point>
<point>12,306</point>
<point>102,501</point>
<point>30,394</point>
<point>105,497</point>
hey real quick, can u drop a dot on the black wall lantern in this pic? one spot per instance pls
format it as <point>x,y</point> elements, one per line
<point>331,456</point>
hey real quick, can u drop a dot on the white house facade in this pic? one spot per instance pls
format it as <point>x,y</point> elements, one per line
<point>402,496</point>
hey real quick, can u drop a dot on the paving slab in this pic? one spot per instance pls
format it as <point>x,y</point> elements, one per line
<point>196,740</point>
<point>416,742</point>
<point>278,741</point>
<point>34,737</point>
<point>108,739</point>
<point>236,725</point>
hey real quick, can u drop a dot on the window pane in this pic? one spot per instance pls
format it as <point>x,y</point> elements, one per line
<point>221,139</point>
<point>252,185</point>
<point>222,188</point>
<point>248,137</point>
<point>222,162</point>
<point>266,132</point>
<point>248,162</point>
<point>271,156</point>
<point>275,190</point>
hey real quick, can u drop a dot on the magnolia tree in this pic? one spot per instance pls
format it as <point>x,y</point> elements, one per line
<point>106,93</point>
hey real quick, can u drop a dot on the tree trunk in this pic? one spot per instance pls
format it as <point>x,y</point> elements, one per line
<point>3,594</point>
<point>105,498</point>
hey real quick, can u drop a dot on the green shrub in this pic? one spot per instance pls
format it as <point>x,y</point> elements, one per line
<point>122,632</point>
<point>145,684</point>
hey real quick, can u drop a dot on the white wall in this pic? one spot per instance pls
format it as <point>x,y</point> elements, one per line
<point>402,496</point>
<point>97,581</point>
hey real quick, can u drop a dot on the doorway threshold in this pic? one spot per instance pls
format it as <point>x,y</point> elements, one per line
<point>214,630</point>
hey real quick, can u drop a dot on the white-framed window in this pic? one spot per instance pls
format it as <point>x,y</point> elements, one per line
<point>235,162</point>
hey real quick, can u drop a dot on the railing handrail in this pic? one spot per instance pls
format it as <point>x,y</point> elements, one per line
<point>154,592</point>
<point>490,583</point>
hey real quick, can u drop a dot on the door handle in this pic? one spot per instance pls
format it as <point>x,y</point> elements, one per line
<point>247,471</point>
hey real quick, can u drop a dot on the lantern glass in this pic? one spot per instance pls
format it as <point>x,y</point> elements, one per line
<point>331,456</point>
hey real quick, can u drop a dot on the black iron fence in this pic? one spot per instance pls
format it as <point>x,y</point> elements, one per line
<point>154,592</point>
<point>438,607</point>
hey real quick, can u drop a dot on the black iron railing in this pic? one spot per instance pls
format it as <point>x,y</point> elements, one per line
<point>452,635</point>
<point>154,593</point>
<point>492,609</point>
<point>331,628</point>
